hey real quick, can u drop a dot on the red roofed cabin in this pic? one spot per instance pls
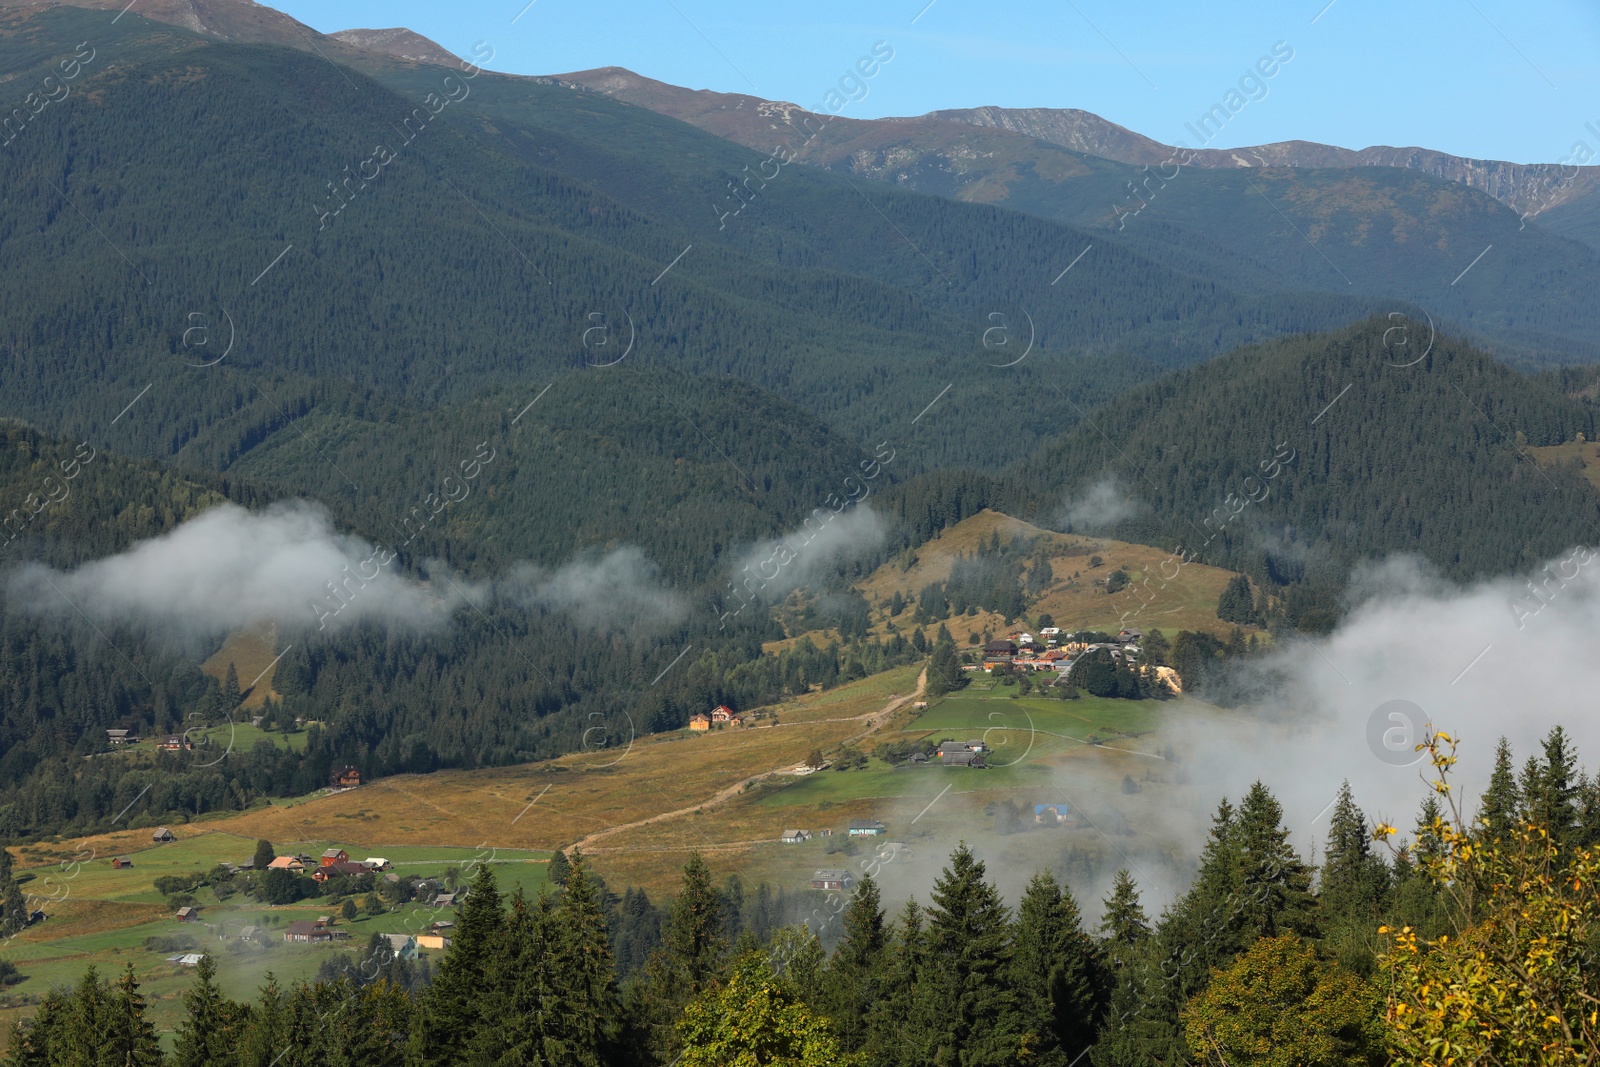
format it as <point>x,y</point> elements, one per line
<point>724,714</point>
<point>337,869</point>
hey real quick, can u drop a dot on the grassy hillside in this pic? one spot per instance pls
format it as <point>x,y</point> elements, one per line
<point>1189,602</point>
<point>638,811</point>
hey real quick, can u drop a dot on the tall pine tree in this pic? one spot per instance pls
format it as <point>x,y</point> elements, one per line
<point>212,1024</point>
<point>854,975</point>
<point>1057,973</point>
<point>1501,805</point>
<point>969,1005</point>
<point>452,1010</point>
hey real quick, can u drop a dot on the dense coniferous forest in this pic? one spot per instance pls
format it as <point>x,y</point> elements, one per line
<point>1263,959</point>
<point>406,290</point>
<point>1338,454</point>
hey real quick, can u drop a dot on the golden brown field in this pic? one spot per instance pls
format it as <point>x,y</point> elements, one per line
<point>252,652</point>
<point>1585,453</point>
<point>1188,602</point>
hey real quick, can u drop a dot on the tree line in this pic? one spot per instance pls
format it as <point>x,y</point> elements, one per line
<point>1265,959</point>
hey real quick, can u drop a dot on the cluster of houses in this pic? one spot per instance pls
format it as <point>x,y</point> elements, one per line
<point>857,828</point>
<point>1048,652</point>
<point>331,864</point>
<point>169,743</point>
<point>342,776</point>
<point>321,930</point>
<point>721,715</point>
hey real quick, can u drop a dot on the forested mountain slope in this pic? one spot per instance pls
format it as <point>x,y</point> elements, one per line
<point>1330,221</point>
<point>580,548</point>
<point>193,192</point>
<point>1302,456</point>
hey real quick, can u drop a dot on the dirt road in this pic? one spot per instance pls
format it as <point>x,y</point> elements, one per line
<point>874,720</point>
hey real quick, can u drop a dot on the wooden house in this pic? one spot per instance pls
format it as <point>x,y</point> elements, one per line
<point>721,713</point>
<point>699,722</point>
<point>960,754</point>
<point>120,862</point>
<point>335,855</point>
<point>338,869</point>
<point>188,915</point>
<point>121,737</point>
<point>307,930</point>
<point>163,835</point>
<point>831,878</point>
<point>175,743</point>
<point>404,946</point>
<point>344,776</point>
<point>795,837</point>
<point>286,863</point>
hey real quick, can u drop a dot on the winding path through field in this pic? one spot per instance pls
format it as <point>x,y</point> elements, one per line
<point>874,720</point>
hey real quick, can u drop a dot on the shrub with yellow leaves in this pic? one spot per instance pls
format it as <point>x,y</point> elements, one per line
<point>1519,981</point>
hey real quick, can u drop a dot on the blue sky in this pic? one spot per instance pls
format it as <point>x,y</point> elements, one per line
<point>1492,79</point>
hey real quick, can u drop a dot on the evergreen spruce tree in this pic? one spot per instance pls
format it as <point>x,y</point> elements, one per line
<point>230,693</point>
<point>560,867</point>
<point>1428,846</point>
<point>1589,812</point>
<point>34,1041</point>
<point>267,1033</point>
<point>582,970</point>
<point>852,984</point>
<point>212,1024</point>
<point>1552,795</point>
<point>519,1014</point>
<point>1236,603</point>
<point>1205,929</point>
<point>1123,924</point>
<point>693,942</point>
<point>1501,804</point>
<point>733,908</point>
<point>1276,884</point>
<point>967,997</point>
<point>80,1038</point>
<point>453,1008</point>
<point>1347,860</point>
<point>897,1036</point>
<point>1353,887</point>
<point>691,957</point>
<point>1057,973</point>
<point>13,906</point>
<point>264,856</point>
<point>130,1038</point>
